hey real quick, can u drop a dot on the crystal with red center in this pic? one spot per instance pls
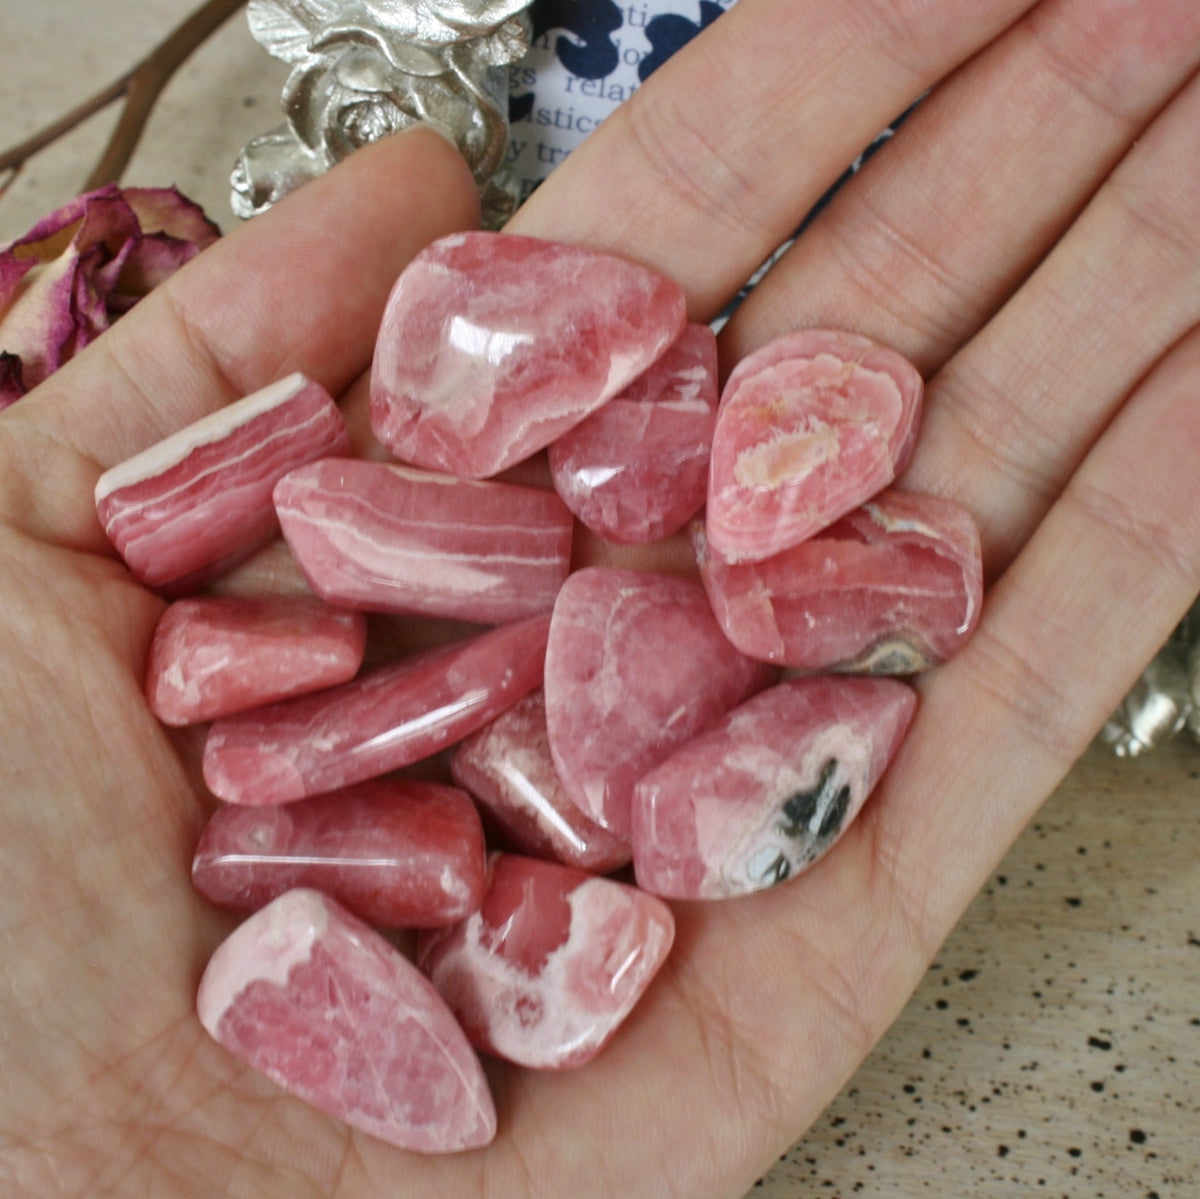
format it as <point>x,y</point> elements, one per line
<point>389,538</point>
<point>199,501</point>
<point>767,790</point>
<point>214,655</point>
<point>809,427</point>
<point>891,588</point>
<point>493,345</point>
<point>385,719</point>
<point>637,469</point>
<point>507,766</point>
<point>551,964</point>
<point>636,665</point>
<point>320,1003</point>
<point>396,852</point>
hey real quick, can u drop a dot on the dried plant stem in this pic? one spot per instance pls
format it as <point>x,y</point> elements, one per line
<point>140,88</point>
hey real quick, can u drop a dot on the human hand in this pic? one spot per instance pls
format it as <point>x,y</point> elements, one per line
<point>767,1004</point>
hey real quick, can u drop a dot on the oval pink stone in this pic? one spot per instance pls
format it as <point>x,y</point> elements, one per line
<point>492,345</point>
<point>320,1003</point>
<point>893,587</point>
<point>212,656</point>
<point>396,852</point>
<point>767,790</point>
<point>810,426</point>
<point>637,469</point>
<point>551,964</point>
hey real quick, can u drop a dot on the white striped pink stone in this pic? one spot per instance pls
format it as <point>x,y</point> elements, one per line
<point>212,656</point>
<point>637,469</point>
<point>198,502</point>
<point>893,587</point>
<point>809,427</point>
<point>385,719</point>
<point>765,792</point>
<point>492,345</point>
<point>552,963</point>
<point>390,538</point>
<point>320,1003</point>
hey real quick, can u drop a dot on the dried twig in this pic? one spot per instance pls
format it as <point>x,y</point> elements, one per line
<point>140,88</point>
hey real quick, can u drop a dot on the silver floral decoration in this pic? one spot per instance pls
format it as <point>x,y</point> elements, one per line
<point>362,69</point>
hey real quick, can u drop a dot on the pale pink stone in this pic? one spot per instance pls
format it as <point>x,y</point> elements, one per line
<point>809,427</point>
<point>389,538</point>
<point>636,665</point>
<point>211,656</point>
<point>388,718</point>
<point>893,587</point>
<point>508,767</point>
<point>551,964</point>
<point>637,469</point>
<point>320,1003</point>
<point>493,345</point>
<point>396,852</point>
<point>767,790</point>
<point>199,501</point>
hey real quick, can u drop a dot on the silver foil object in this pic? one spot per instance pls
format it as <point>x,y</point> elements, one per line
<point>362,69</point>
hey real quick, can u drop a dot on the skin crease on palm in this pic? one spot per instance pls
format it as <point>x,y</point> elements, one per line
<point>1041,270</point>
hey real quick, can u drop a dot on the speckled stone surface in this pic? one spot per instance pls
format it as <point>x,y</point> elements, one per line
<point>937,1111</point>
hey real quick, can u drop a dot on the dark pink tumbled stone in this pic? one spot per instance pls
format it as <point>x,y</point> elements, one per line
<point>551,964</point>
<point>893,587</point>
<point>809,427</point>
<point>388,718</point>
<point>768,789</point>
<point>508,767</point>
<point>320,1003</point>
<point>395,852</point>
<point>636,665</point>
<point>492,345</point>
<point>214,655</point>
<point>388,538</point>
<point>199,502</point>
<point>637,469</point>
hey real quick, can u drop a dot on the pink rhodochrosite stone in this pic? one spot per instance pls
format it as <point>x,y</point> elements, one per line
<point>199,501</point>
<point>893,587</point>
<point>211,656</point>
<point>551,964</point>
<point>493,345</point>
<point>320,1003</point>
<point>637,469</point>
<point>809,427</point>
<point>396,852</point>
<point>636,665</point>
<point>393,539</point>
<point>767,790</point>
<point>507,766</point>
<point>385,719</point>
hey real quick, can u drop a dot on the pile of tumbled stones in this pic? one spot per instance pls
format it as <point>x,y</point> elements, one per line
<point>719,733</point>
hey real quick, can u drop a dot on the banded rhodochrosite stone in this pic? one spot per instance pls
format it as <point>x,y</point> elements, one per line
<point>396,852</point>
<point>320,1003</point>
<point>636,665</point>
<point>214,655</point>
<point>508,767</point>
<point>551,964</point>
<point>391,538</point>
<point>810,426</point>
<point>493,345</point>
<point>768,789</point>
<point>637,469</point>
<point>385,719</point>
<point>199,501</point>
<point>893,587</point>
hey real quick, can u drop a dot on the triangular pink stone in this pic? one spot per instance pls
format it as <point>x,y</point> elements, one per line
<point>493,345</point>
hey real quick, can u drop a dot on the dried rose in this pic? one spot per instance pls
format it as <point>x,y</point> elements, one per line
<point>79,268</point>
